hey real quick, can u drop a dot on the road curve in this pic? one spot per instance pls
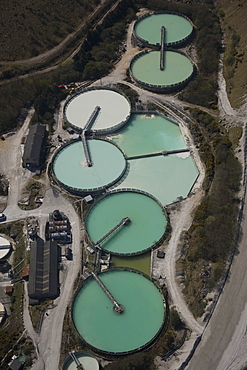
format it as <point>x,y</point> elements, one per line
<point>224,341</point>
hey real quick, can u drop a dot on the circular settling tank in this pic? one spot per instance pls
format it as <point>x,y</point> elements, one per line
<point>5,247</point>
<point>113,112</point>
<point>177,28</point>
<point>71,169</point>
<point>145,69</point>
<point>85,359</point>
<point>105,330</point>
<point>146,228</point>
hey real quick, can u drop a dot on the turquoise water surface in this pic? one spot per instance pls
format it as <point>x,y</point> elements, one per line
<point>149,133</point>
<point>146,68</point>
<point>147,226</point>
<point>101,327</point>
<point>165,177</point>
<point>176,28</point>
<point>70,166</point>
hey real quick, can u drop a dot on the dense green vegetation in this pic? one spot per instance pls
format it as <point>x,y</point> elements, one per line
<point>28,28</point>
<point>96,57</point>
<point>211,237</point>
<point>17,95</point>
<point>101,48</point>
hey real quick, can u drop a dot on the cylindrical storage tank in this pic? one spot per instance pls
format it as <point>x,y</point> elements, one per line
<point>146,227</point>
<point>71,169</point>
<point>177,73</point>
<point>5,248</point>
<point>178,29</point>
<point>88,362</point>
<point>135,327</point>
<point>98,109</point>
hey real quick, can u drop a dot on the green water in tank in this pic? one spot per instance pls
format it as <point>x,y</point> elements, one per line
<point>146,68</point>
<point>138,324</point>
<point>147,222</point>
<point>176,28</point>
<point>148,133</point>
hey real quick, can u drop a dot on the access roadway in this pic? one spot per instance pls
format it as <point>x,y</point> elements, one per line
<point>48,342</point>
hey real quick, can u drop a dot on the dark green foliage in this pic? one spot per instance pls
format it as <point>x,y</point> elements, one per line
<point>212,234</point>
<point>214,225</point>
<point>138,361</point>
<point>46,103</point>
<point>175,320</point>
<point>202,90</point>
<point>101,47</point>
<point>130,93</point>
<point>23,93</point>
<point>67,73</point>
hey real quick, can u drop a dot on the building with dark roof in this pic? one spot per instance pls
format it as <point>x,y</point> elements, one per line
<point>43,271</point>
<point>15,365</point>
<point>34,150</point>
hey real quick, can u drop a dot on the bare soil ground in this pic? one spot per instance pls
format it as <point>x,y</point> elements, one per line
<point>233,22</point>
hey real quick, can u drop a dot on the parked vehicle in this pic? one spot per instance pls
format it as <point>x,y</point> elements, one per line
<point>2,217</point>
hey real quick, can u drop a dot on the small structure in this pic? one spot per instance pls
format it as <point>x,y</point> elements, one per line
<point>2,313</point>
<point>56,215</point>
<point>43,273</point>
<point>80,360</point>
<point>68,253</point>
<point>15,365</point>
<point>34,150</point>
<point>58,229</point>
<point>9,289</point>
<point>25,272</point>
<point>88,198</point>
<point>161,254</point>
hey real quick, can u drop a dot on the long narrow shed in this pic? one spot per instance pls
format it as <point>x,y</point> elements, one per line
<point>34,150</point>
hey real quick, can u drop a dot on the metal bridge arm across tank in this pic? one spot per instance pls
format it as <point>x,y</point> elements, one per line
<point>124,221</point>
<point>86,151</point>
<point>162,49</point>
<point>75,359</point>
<point>118,308</point>
<point>91,119</point>
<point>87,128</point>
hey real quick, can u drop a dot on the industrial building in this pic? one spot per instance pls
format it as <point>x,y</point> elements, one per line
<point>43,273</point>
<point>34,150</point>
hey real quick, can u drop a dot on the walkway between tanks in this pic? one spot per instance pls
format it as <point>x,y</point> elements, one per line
<point>164,152</point>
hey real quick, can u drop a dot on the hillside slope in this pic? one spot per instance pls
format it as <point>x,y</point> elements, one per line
<point>28,28</point>
<point>233,20</point>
